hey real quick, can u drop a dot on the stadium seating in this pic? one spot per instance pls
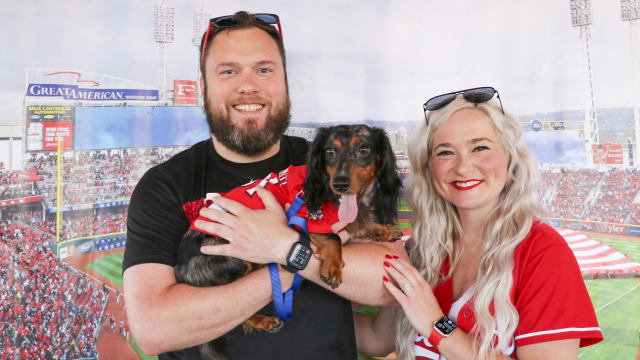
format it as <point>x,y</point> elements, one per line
<point>47,309</point>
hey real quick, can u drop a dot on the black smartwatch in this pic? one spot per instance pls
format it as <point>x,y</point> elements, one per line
<point>299,255</point>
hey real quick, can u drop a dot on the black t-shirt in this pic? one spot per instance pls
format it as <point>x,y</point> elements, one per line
<point>321,326</point>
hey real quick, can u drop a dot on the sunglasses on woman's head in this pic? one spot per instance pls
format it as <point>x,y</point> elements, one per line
<point>476,95</point>
<point>227,21</point>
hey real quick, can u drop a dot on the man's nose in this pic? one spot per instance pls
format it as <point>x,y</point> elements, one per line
<point>248,84</point>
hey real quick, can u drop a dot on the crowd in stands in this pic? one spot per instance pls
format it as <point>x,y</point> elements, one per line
<point>12,178</point>
<point>48,310</point>
<point>74,226</point>
<point>95,176</point>
<point>588,194</point>
<point>18,191</point>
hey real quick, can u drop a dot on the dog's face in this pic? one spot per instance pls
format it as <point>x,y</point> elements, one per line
<point>350,164</point>
<point>350,159</point>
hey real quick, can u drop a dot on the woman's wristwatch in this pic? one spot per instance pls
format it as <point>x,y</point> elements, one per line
<point>441,329</point>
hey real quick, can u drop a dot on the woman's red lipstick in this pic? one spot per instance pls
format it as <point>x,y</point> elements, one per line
<point>466,183</point>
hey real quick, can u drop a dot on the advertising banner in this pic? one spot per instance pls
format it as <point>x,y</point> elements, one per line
<point>607,153</point>
<point>74,92</point>
<point>610,228</point>
<point>185,92</point>
<point>578,225</point>
<point>633,230</point>
<point>74,247</point>
<point>46,123</point>
<point>5,203</point>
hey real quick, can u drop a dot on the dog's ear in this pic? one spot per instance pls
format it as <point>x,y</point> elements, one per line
<point>316,184</point>
<point>387,195</point>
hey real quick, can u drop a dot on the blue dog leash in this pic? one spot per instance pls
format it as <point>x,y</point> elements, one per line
<point>284,302</point>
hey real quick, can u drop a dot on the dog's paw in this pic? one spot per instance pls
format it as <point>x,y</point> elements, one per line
<point>331,281</point>
<point>397,235</point>
<point>275,325</point>
<point>258,322</point>
<point>332,274</point>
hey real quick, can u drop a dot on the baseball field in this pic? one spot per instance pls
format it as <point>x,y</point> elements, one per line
<point>617,303</point>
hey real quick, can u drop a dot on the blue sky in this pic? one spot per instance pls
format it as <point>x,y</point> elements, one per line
<point>347,61</point>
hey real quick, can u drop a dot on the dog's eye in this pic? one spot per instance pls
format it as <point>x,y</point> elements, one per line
<point>364,151</point>
<point>330,153</point>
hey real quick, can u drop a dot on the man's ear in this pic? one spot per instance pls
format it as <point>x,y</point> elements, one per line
<point>201,85</point>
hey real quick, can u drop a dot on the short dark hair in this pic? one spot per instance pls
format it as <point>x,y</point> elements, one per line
<point>243,20</point>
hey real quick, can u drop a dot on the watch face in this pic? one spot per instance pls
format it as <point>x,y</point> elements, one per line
<point>445,326</point>
<point>299,256</point>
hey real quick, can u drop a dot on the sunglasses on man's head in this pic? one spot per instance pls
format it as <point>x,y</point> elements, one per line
<point>227,21</point>
<point>476,95</point>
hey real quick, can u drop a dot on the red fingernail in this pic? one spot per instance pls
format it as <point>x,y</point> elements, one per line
<point>385,279</point>
<point>386,264</point>
<point>388,256</point>
<point>395,257</point>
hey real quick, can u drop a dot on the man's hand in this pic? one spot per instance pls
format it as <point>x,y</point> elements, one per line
<point>258,236</point>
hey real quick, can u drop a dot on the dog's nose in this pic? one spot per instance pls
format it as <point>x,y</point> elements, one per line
<point>341,183</point>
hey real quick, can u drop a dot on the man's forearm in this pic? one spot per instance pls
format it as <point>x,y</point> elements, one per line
<point>180,316</point>
<point>362,273</point>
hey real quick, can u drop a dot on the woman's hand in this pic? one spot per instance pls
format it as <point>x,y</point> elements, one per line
<point>413,293</point>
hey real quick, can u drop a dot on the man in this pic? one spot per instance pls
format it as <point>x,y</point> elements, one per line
<point>247,107</point>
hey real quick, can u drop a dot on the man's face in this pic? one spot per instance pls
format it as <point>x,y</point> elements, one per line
<point>246,98</point>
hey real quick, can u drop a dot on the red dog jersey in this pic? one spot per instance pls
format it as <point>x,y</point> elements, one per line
<point>285,185</point>
<point>548,292</point>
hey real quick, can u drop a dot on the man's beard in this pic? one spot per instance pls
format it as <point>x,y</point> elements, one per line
<point>252,140</point>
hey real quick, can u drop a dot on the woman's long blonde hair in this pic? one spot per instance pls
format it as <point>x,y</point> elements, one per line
<point>436,224</point>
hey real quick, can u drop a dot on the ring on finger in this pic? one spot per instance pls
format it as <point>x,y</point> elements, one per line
<point>406,287</point>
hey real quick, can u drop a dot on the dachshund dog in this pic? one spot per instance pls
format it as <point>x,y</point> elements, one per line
<point>353,166</point>
<point>350,176</point>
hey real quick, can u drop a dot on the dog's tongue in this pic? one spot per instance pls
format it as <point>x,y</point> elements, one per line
<point>348,208</point>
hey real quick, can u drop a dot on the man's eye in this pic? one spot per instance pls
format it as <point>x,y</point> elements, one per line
<point>364,151</point>
<point>265,70</point>
<point>330,153</point>
<point>227,72</point>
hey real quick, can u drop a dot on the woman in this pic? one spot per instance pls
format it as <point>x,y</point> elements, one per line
<point>479,248</point>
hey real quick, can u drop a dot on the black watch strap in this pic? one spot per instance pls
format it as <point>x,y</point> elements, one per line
<point>299,254</point>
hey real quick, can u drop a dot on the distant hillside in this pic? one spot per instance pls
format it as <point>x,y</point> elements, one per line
<point>614,124</point>
<point>408,125</point>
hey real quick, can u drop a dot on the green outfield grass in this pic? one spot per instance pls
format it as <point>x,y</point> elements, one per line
<point>617,304</point>
<point>618,312</point>
<point>629,247</point>
<point>110,267</point>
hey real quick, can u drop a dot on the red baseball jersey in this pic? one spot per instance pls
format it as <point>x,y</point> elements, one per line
<point>548,292</point>
<point>285,185</point>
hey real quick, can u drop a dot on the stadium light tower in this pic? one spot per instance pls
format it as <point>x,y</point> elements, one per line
<point>581,18</point>
<point>630,11</point>
<point>163,21</point>
<point>200,23</point>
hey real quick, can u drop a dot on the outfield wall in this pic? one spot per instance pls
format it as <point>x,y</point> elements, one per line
<point>597,226</point>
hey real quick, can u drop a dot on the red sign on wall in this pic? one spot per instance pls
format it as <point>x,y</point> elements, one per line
<point>607,153</point>
<point>185,92</point>
<point>5,203</point>
<point>46,123</point>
